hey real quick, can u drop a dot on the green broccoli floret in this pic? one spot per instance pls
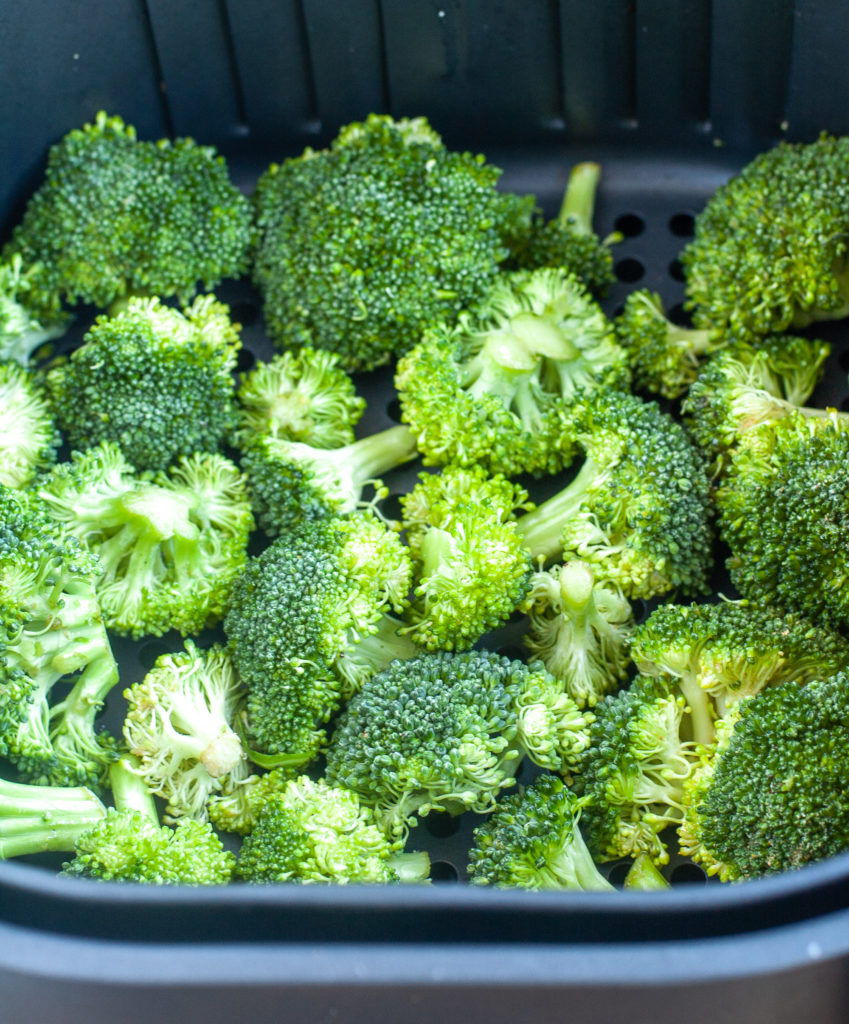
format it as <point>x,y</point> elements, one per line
<point>580,630</point>
<point>116,216</point>
<point>638,510</point>
<point>532,840</point>
<point>386,232</point>
<point>156,382</point>
<point>644,874</point>
<point>313,832</point>
<point>298,609</point>
<point>501,387</point>
<point>772,793</point>
<point>447,731</point>
<point>719,653</point>
<point>292,483</point>
<point>302,396</point>
<point>51,630</point>
<point>30,313</point>
<point>170,545</point>
<point>770,247</point>
<point>236,806</point>
<point>28,435</point>
<point>40,818</point>
<point>179,725</point>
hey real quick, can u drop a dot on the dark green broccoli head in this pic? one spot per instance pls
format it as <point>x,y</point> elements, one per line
<point>364,244</point>
<point>28,434</point>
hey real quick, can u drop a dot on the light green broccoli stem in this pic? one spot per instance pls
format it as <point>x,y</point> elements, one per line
<point>542,529</point>
<point>573,867</point>
<point>644,874</point>
<point>39,819</point>
<point>702,715</point>
<point>373,653</point>
<point>364,461</point>
<point>73,719</point>
<point>411,868</point>
<point>129,792</point>
<point>578,207</point>
<point>503,369</point>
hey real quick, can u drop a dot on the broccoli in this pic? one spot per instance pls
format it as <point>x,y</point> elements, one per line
<point>719,653</point>
<point>156,382</point>
<point>769,251</point>
<point>243,793</point>
<point>30,313</point>
<point>502,386</point>
<point>363,244</point>
<point>116,216</point>
<point>40,819</point>
<point>313,832</point>
<point>638,510</point>
<point>532,840</point>
<point>51,631</point>
<point>580,630</point>
<point>170,545</point>
<point>179,725</point>
<point>446,731</point>
<point>302,396</point>
<point>28,435</point>
<point>771,793</point>
<point>292,483</point>
<point>644,874</point>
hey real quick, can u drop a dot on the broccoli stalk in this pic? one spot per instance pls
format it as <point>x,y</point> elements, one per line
<point>38,819</point>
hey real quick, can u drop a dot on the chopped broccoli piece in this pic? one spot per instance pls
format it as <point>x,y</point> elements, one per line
<point>28,435</point>
<point>30,313</point>
<point>644,874</point>
<point>40,818</point>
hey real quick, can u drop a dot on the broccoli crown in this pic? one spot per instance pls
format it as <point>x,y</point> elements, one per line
<point>170,545</point>
<point>41,818</point>
<point>28,435</point>
<point>532,840</point>
<point>30,312</point>
<point>115,215</point>
<point>638,510</point>
<point>784,514</point>
<point>447,731</point>
<point>771,793</point>
<point>633,770</point>
<point>770,247</point>
<point>362,245</point>
<point>156,382</point>
<point>580,630</point>
<point>501,387</point>
<point>302,396</point>
<point>297,608</point>
<point>126,846</point>
<point>179,725</point>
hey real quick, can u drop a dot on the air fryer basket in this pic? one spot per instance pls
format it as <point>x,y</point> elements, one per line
<point>671,96</point>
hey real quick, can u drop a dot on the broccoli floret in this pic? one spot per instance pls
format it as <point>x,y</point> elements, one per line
<point>770,247</point>
<point>771,793</point>
<point>302,396</point>
<point>363,244</point>
<point>51,630</point>
<point>179,724</point>
<point>447,731</point>
<point>170,545</point>
<point>501,388</point>
<point>580,630</point>
<point>156,382</point>
<point>532,840</point>
<point>720,653</point>
<point>644,874</point>
<point>39,819</point>
<point>638,510</point>
<point>292,483</point>
<point>313,832</point>
<point>236,806</point>
<point>30,313</point>
<point>28,435</point>
<point>569,240</point>
<point>117,216</point>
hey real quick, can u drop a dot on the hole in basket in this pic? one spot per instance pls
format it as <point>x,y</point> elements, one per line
<point>245,360</point>
<point>681,225</point>
<point>441,824</point>
<point>630,225</point>
<point>843,360</point>
<point>393,410</point>
<point>616,874</point>
<point>684,874</point>
<point>678,315</point>
<point>513,652</point>
<point>442,871</point>
<point>244,313</point>
<point>629,270</point>
<point>149,652</point>
<point>676,270</point>
<point>844,405</point>
<point>640,608</point>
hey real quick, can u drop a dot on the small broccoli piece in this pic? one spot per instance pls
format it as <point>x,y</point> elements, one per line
<point>28,435</point>
<point>771,793</point>
<point>156,382</point>
<point>769,251</point>
<point>502,387</point>
<point>312,832</point>
<point>236,806</point>
<point>644,874</point>
<point>632,774</point>
<point>116,216</point>
<point>302,396</point>
<point>447,731</point>
<point>532,840</point>
<point>51,631</point>
<point>170,545</point>
<point>292,483</point>
<point>580,630</point>
<point>386,232</point>
<point>179,725</point>
<point>665,357</point>
<point>719,653</point>
<point>40,818</point>
<point>638,510</point>
<point>30,313</point>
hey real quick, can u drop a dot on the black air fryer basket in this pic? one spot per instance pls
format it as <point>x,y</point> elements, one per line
<point>671,97</point>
